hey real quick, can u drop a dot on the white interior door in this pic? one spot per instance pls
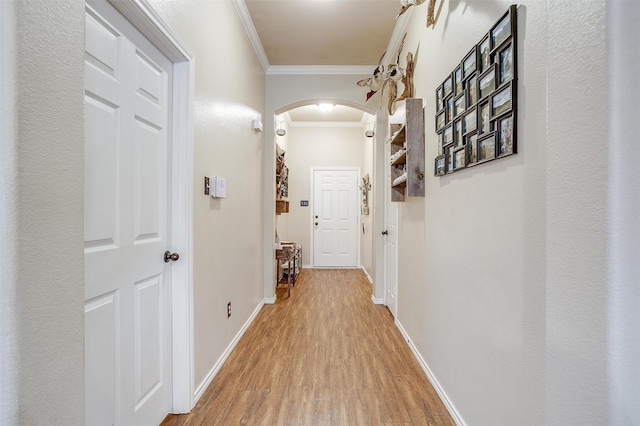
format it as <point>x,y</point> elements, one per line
<point>391,242</point>
<point>127,219</point>
<point>335,218</point>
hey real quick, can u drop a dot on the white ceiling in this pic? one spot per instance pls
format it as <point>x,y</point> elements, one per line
<point>325,33</point>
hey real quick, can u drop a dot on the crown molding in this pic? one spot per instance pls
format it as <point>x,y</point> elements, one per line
<point>321,69</point>
<point>250,29</point>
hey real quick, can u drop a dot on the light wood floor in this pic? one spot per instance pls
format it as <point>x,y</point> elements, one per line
<point>325,356</point>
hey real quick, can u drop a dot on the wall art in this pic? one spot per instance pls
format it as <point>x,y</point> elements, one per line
<point>476,104</point>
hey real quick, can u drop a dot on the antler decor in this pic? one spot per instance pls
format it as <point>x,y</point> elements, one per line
<point>375,81</point>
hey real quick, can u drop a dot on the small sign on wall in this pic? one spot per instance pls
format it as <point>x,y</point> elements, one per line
<point>304,203</point>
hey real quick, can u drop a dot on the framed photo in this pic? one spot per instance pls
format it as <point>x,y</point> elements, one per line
<point>441,120</point>
<point>439,98</point>
<point>457,77</point>
<point>487,82</point>
<point>472,91</point>
<point>457,133</point>
<point>448,106</point>
<point>448,154</point>
<point>469,63</point>
<point>459,105</point>
<point>440,166</point>
<point>505,58</point>
<point>505,138</point>
<point>484,54</point>
<point>447,135</point>
<point>470,121</point>
<point>502,30</point>
<point>440,143</point>
<point>487,148</point>
<point>501,101</point>
<point>447,87</point>
<point>472,147</point>
<point>460,158</point>
<point>484,115</point>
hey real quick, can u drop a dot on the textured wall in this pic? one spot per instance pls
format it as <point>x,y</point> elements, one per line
<point>513,283</point>
<point>46,282</point>
<point>471,275</point>
<point>227,233</point>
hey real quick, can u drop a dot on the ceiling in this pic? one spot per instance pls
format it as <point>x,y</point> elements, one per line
<point>324,32</point>
<point>338,33</point>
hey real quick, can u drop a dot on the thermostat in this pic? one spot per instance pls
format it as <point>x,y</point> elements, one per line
<point>218,187</point>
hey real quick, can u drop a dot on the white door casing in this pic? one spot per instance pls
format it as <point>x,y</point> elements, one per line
<point>128,189</point>
<point>335,217</point>
<point>391,241</point>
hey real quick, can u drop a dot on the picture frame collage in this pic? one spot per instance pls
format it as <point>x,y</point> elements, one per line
<point>476,105</point>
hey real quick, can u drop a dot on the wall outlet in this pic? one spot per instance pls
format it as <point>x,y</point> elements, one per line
<point>228,309</point>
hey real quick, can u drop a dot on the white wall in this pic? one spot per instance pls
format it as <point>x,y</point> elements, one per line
<point>514,275</point>
<point>316,147</point>
<point>42,288</point>
<point>471,254</point>
<point>227,233</point>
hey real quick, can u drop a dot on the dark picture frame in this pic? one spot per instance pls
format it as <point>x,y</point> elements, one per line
<point>441,120</point>
<point>501,101</point>
<point>472,91</point>
<point>484,117</point>
<point>472,147</point>
<point>457,81</point>
<point>440,165</point>
<point>460,158</point>
<point>503,29</point>
<point>476,104</point>
<point>487,148</point>
<point>459,105</point>
<point>470,63</point>
<point>470,121</point>
<point>487,82</point>
<point>505,63</point>
<point>505,130</point>
<point>484,54</point>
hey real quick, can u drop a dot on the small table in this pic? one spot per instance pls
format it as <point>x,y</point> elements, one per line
<point>290,253</point>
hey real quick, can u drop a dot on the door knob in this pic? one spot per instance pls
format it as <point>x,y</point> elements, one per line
<point>168,256</point>
<point>385,232</point>
<point>316,223</point>
<point>316,216</point>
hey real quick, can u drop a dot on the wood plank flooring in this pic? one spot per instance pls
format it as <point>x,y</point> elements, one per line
<point>325,356</point>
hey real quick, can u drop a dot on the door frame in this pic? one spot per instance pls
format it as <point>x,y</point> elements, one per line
<point>388,206</point>
<point>149,23</point>
<point>311,210</point>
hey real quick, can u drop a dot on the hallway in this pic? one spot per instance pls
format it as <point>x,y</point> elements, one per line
<point>325,356</point>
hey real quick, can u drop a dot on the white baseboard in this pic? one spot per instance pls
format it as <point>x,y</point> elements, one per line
<point>425,367</point>
<point>270,300</point>
<point>207,381</point>
<point>367,274</point>
<point>377,301</point>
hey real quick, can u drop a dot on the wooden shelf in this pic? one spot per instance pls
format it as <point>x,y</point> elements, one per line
<point>410,137</point>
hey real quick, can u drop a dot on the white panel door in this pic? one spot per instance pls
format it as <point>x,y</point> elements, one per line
<point>335,221</point>
<point>391,242</point>
<point>127,217</point>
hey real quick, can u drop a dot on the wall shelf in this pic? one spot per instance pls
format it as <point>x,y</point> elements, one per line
<point>407,153</point>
